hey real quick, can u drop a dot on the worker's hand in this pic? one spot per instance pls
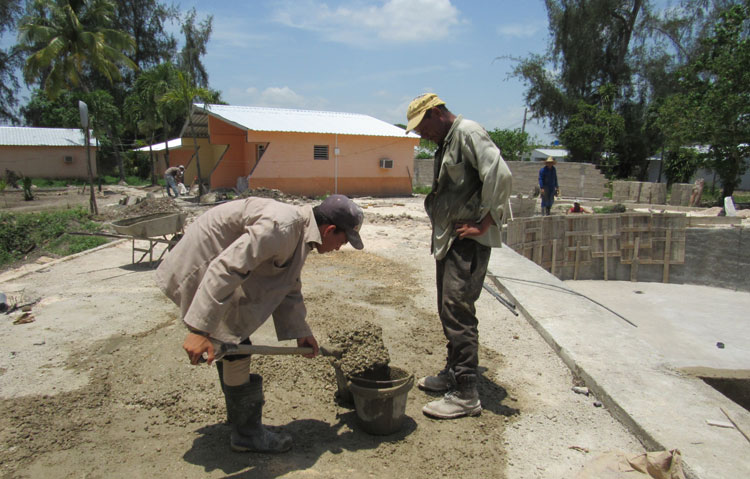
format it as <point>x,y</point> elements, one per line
<point>195,345</point>
<point>308,342</point>
<point>471,228</point>
<point>541,190</point>
<point>557,192</point>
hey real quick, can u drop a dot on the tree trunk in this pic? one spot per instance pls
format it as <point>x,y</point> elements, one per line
<point>118,156</point>
<point>151,158</point>
<point>166,144</point>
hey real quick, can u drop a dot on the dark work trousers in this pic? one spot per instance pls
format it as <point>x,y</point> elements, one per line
<point>460,276</point>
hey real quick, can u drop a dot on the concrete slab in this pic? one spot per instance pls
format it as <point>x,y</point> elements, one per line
<point>636,370</point>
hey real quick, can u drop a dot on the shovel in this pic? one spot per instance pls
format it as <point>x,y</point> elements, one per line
<point>224,349</point>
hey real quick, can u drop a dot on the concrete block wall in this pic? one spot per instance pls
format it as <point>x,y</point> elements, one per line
<point>582,180</point>
<point>639,192</point>
<point>423,172</point>
<point>680,195</point>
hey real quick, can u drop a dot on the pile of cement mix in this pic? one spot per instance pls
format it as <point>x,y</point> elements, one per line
<point>363,352</point>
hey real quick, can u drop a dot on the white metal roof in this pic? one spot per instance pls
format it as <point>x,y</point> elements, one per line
<point>303,121</point>
<point>176,143</point>
<point>552,152</point>
<point>29,136</point>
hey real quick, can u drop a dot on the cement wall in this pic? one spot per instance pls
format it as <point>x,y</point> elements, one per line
<point>582,180</point>
<point>718,257</point>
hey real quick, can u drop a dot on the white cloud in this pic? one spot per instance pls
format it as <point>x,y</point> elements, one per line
<point>281,97</point>
<point>363,23</point>
<point>275,97</point>
<point>522,30</point>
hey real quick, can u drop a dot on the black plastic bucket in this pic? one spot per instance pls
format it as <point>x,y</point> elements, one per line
<point>381,404</point>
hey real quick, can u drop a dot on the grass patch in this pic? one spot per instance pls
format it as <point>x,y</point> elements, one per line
<point>21,233</point>
<point>422,190</point>
<point>106,180</point>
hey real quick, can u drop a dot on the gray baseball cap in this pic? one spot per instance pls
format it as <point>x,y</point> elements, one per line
<point>344,214</point>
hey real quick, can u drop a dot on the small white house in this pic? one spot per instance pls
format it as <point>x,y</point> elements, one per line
<point>541,154</point>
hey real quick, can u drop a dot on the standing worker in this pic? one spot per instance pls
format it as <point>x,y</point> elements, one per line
<point>470,188</point>
<point>548,185</point>
<point>237,265</point>
<point>173,176</point>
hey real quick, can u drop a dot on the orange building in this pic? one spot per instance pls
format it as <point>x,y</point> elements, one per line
<point>299,152</point>
<point>55,153</point>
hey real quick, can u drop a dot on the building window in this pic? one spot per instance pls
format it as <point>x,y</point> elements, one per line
<point>320,152</point>
<point>68,159</point>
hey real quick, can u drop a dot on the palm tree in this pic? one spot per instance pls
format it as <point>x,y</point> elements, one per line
<point>182,98</point>
<point>155,83</point>
<point>68,39</point>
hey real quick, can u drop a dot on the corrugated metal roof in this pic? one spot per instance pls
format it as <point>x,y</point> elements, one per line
<point>552,152</point>
<point>28,136</point>
<point>298,121</point>
<point>176,143</point>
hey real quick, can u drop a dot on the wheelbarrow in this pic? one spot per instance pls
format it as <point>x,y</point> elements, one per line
<point>159,228</point>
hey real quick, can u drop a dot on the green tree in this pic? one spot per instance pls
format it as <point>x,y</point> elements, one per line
<point>69,40</point>
<point>713,105</point>
<point>196,39</point>
<point>145,108</point>
<point>10,60</point>
<point>145,21</point>
<point>181,97</point>
<point>627,44</point>
<point>513,144</point>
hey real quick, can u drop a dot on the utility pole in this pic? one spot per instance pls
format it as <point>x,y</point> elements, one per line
<point>523,127</point>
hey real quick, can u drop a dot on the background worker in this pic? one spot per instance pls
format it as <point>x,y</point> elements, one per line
<point>237,265</point>
<point>577,208</point>
<point>548,185</point>
<point>172,176</point>
<point>470,188</point>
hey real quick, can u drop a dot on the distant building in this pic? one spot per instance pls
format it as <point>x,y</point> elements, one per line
<point>541,154</point>
<point>55,153</point>
<point>299,152</point>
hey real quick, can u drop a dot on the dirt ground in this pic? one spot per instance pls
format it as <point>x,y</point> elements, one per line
<point>98,386</point>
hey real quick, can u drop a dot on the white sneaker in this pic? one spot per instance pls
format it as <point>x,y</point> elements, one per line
<point>452,406</point>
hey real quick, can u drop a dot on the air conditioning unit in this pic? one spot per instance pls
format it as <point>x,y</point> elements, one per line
<point>68,159</point>
<point>386,163</point>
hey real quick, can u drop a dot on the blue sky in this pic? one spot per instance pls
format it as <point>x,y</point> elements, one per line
<point>375,56</point>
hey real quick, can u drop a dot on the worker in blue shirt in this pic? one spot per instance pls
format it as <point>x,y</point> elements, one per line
<point>548,185</point>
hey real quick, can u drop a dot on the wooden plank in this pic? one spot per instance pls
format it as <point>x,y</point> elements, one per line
<point>634,264</point>
<point>554,256</point>
<point>606,253</point>
<point>667,252</point>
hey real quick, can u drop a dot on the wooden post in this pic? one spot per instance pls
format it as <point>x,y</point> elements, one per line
<point>667,255</point>
<point>578,250</point>
<point>606,253</point>
<point>554,256</point>
<point>634,264</point>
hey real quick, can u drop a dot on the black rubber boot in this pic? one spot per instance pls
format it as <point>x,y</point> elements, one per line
<point>220,370</point>
<point>245,411</point>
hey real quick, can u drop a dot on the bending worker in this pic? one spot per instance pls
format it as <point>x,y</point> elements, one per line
<point>237,265</point>
<point>172,176</point>
<point>470,187</point>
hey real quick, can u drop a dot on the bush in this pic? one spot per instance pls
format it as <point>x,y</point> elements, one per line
<point>20,233</point>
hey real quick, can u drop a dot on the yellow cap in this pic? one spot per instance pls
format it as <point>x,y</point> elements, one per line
<point>550,160</point>
<point>418,107</point>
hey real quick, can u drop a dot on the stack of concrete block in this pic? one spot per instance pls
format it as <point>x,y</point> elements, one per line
<point>639,192</point>
<point>522,207</point>
<point>576,180</point>
<point>681,193</point>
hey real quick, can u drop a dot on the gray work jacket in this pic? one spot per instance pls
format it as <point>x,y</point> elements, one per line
<point>471,180</point>
<point>240,263</point>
